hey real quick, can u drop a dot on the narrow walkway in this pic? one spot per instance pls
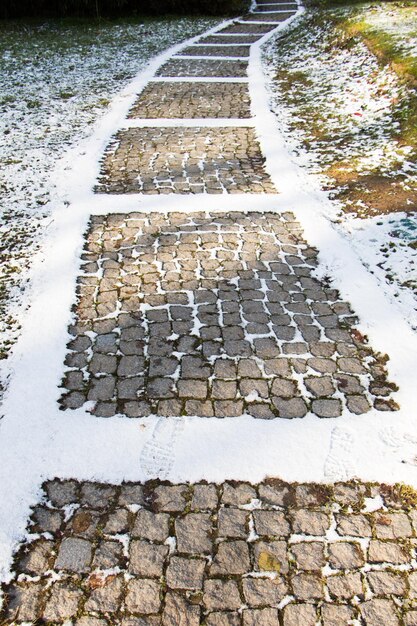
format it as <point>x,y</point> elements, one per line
<point>214,315</point>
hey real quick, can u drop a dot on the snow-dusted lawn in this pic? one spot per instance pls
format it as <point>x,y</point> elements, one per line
<point>340,112</point>
<point>56,80</point>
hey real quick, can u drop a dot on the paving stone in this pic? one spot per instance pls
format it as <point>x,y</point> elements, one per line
<point>106,598</point>
<point>233,523</point>
<point>310,522</point>
<point>327,407</point>
<point>345,586</point>
<point>147,559</point>
<point>307,586</point>
<point>387,583</point>
<point>237,494</point>
<point>387,551</point>
<point>272,523</point>
<point>108,554</point>
<point>74,555</point>
<point>38,557</point>
<point>232,558</point>
<point>169,498</point>
<point>62,603</point>
<point>193,533</point>
<point>185,573</point>
<point>88,620</point>
<point>217,148</point>
<point>300,615</point>
<point>47,520</point>
<point>296,407</point>
<point>309,555</point>
<point>223,618</point>
<point>143,596</point>
<point>24,602</point>
<point>62,492</point>
<point>271,556</point>
<point>336,614</point>
<point>392,526</point>
<point>204,497</point>
<point>240,576</point>
<point>410,618</point>
<point>274,492</point>
<point>345,555</point>
<point>179,612</point>
<point>260,592</point>
<point>151,526</point>
<point>97,496</point>
<point>84,523</point>
<point>221,595</point>
<point>203,67</point>
<point>376,612</point>
<point>354,525</point>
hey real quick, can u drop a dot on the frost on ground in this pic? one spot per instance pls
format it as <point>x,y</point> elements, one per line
<point>342,113</point>
<point>56,80</point>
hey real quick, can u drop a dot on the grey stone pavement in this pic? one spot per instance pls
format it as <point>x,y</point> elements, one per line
<point>212,315</point>
<point>272,554</point>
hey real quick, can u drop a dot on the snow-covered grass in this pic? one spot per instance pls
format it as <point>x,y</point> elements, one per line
<point>56,80</point>
<point>346,117</point>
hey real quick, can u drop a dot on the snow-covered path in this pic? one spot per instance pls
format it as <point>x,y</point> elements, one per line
<point>193,247</point>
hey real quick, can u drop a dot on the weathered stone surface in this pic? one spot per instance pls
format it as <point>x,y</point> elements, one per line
<point>74,555</point>
<point>309,555</point>
<point>259,592</point>
<point>193,533</point>
<point>377,612</point>
<point>151,526</point>
<point>345,586</point>
<point>221,595</point>
<point>147,559</point>
<point>106,598</point>
<point>185,573</point>
<point>179,612</point>
<point>143,596</point>
<point>62,603</point>
<point>300,615</point>
<point>232,558</point>
<point>345,555</point>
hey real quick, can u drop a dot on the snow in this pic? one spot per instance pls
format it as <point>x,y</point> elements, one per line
<point>56,81</point>
<point>38,441</point>
<point>358,103</point>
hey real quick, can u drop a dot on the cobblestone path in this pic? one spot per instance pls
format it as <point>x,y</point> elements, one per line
<point>212,315</point>
<point>235,554</point>
<point>215,315</point>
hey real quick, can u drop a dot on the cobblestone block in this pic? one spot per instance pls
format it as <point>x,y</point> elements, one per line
<point>151,526</point>
<point>185,573</point>
<point>193,533</point>
<point>106,598</point>
<point>179,612</point>
<point>74,555</point>
<point>147,559</point>
<point>260,617</point>
<point>143,596</point>
<point>377,612</point>
<point>345,586</point>
<point>260,592</point>
<point>300,615</point>
<point>62,603</point>
<point>232,558</point>
<point>221,595</point>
